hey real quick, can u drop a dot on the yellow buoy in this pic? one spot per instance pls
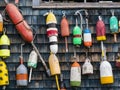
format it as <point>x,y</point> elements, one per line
<point>51,18</point>
<point>54,64</point>
<point>106,74</point>
<point>54,67</point>
<point>4,46</point>
<point>4,79</point>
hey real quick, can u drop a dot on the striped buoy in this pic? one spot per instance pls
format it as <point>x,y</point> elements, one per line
<point>21,74</point>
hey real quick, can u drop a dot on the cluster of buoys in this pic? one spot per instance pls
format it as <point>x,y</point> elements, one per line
<point>106,75</point>
<point>4,53</point>
<point>23,28</point>
<point>52,33</point>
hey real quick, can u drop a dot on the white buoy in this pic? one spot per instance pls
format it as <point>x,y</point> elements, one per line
<point>87,67</point>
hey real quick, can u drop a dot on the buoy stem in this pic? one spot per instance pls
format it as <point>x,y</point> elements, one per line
<point>42,60</point>
<point>115,37</point>
<point>57,82</point>
<point>66,44</point>
<point>30,74</point>
<point>102,48</point>
<point>4,87</point>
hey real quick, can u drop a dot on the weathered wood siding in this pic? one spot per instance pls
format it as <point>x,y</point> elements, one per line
<point>40,81</point>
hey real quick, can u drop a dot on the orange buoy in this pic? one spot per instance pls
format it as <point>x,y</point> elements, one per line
<point>65,31</point>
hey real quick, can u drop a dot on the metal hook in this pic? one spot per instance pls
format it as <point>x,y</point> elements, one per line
<point>4,31</point>
<point>6,1</point>
<point>112,12</point>
<point>63,12</point>
<point>78,12</point>
<point>22,49</point>
<point>76,22</point>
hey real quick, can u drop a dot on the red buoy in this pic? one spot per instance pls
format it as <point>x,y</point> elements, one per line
<point>25,31</point>
<point>14,13</point>
<point>21,25</point>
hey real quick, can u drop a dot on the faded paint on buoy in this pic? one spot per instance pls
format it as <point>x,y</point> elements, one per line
<point>4,46</point>
<point>54,64</point>
<point>51,18</point>
<point>106,74</point>
<point>100,29</point>
<point>77,35</point>
<point>4,78</point>
<point>21,74</point>
<point>87,38</point>
<point>32,61</point>
<point>75,75</point>
<point>87,67</point>
<point>64,27</point>
<point>114,24</point>
<point>53,44</point>
<point>52,32</point>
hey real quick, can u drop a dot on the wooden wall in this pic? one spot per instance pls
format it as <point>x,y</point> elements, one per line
<point>40,81</point>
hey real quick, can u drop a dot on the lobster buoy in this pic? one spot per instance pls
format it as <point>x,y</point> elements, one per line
<point>100,30</point>
<point>51,18</point>
<point>4,79</point>
<point>21,74</point>
<point>32,62</point>
<point>52,32</point>
<point>87,67</point>
<point>114,26</point>
<point>53,44</point>
<point>54,64</point>
<point>21,25</point>
<point>14,13</point>
<point>75,75</point>
<point>87,37</point>
<point>65,31</point>
<point>54,67</point>
<point>1,23</point>
<point>106,74</point>
<point>25,31</point>
<point>77,36</point>
<point>4,46</point>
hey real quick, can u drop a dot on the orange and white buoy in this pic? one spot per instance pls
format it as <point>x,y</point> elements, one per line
<point>1,23</point>
<point>75,75</point>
